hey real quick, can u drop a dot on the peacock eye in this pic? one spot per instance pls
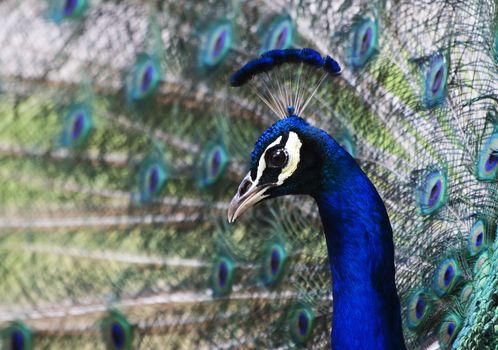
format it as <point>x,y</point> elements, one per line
<point>277,158</point>
<point>476,240</point>
<point>77,126</point>
<point>436,74</point>
<point>152,178</point>
<point>487,161</point>
<point>222,276</point>
<point>143,78</point>
<point>431,194</point>
<point>117,331</point>
<point>364,42</point>
<point>446,277</point>
<point>279,35</point>
<point>301,325</point>
<point>273,265</point>
<point>216,44</point>
<point>17,335</point>
<point>418,309</point>
<point>214,162</point>
<point>449,329</point>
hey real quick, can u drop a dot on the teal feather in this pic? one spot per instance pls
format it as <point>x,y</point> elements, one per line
<point>67,9</point>
<point>121,144</point>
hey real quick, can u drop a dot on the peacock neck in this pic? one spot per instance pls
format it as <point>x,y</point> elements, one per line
<point>361,256</point>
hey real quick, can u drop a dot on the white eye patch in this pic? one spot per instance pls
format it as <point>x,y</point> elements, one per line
<point>293,148</point>
<point>262,163</point>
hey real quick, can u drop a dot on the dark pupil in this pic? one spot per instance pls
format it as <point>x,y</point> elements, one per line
<point>302,323</point>
<point>451,329</point>
<point>215,162</point>
<point>437,80</point>
<point>448,275</point>
<point>435,191</point>
<point>153,180</point>
<point>220,42</point>
<point>281,38</point>
<point>365,42</point>
<point>278,158</point>
<point>275,261</point>
<point>16,340</point>
<point>492,161</point>
<point>146,78</point>
<point>117,335</point>
<point>69,7</point>
<point>77,126</point>
<point>419,308</point>
<point>479,239</point>
<point>222,274</point>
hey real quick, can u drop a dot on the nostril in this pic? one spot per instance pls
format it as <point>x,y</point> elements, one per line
<point>244,186</point>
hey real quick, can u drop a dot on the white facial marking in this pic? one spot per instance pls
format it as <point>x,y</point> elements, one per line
<point>262,163</point>
<point>293,147</point>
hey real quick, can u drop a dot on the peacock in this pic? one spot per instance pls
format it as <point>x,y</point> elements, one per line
<point>362,135</point>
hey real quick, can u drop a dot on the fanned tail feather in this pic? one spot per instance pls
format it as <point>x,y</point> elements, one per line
<point>121,143</point>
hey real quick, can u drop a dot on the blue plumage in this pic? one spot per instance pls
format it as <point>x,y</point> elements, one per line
<point>357,232</point>
<point>361,253</point>
<point>268,60</point>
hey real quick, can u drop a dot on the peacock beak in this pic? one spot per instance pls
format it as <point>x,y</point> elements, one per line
<point>248,194</point>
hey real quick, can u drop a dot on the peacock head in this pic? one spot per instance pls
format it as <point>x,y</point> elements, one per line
<point>287,159</point>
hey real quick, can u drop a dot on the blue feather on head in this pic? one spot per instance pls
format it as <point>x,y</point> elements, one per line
<point>271,59</point>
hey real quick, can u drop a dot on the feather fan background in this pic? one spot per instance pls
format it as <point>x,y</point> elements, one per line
<point>121,145</point>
